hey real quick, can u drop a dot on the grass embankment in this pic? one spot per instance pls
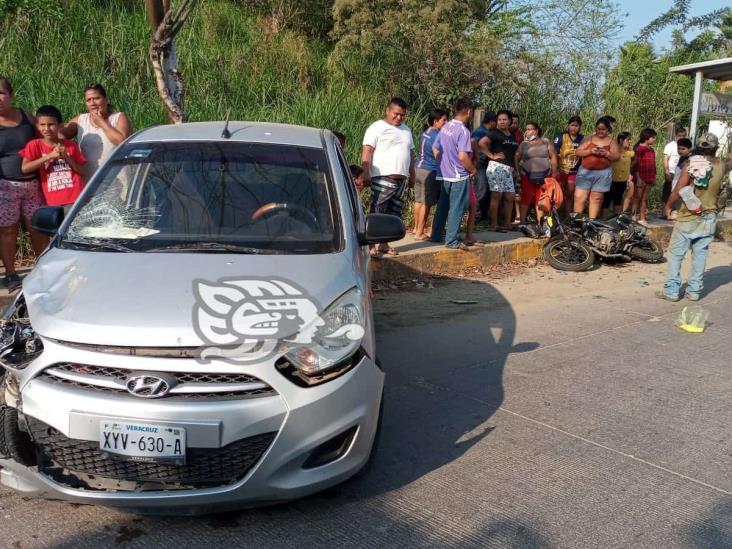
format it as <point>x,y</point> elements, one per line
<point>230,61</point>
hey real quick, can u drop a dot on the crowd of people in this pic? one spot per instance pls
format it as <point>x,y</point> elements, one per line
<point>498,167</point>
<point>41,164</point>
<point>496,173</point>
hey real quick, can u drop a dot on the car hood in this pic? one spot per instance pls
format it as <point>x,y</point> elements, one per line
<point>148,299</point>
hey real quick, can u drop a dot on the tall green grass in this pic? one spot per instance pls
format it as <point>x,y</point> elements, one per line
<point>229,59</point>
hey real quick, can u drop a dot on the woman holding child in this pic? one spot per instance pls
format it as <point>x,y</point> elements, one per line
<point>100,130</point>
<point>20,193</point>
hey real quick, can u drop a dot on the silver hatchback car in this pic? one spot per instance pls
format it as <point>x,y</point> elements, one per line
<point>198,335</point>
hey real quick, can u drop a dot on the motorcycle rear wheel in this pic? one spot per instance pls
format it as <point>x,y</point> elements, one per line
<point>648,251</point>
<point>569,255</point>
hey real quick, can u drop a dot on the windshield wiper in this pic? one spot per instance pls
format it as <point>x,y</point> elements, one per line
<point>97,244</point>
<point>209,247</point>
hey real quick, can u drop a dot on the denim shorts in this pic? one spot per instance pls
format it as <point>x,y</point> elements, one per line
<point>598,181</point>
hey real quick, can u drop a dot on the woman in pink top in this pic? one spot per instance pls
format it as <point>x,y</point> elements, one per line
<point>98,131</point>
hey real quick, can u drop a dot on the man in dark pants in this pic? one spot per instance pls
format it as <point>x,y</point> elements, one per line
<point>480,145</point>
<point>387,160</point>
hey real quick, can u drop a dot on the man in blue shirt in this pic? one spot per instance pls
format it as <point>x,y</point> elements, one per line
<point>480,141</point>
<point>426,186</point>
<point>454,149</point>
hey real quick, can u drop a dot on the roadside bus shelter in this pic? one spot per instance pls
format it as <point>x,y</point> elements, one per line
<point>719,69</point>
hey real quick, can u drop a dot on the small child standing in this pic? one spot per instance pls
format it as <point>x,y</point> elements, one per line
<point>613,202</point>
<point>59,162</point>
<point>645,174</point>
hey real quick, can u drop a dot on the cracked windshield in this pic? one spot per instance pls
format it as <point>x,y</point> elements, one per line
<point>209,196</point>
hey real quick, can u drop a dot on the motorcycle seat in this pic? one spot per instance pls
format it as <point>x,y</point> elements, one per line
<point>608,224</point>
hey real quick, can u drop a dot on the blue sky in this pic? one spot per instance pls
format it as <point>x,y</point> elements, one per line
<point>641,12</point>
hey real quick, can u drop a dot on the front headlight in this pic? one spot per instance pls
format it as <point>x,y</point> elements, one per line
<point>20,344</point>
<point>336,337</point>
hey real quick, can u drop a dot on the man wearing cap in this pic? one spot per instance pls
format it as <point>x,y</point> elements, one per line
<point>480,141</point>
<point>696,221</point>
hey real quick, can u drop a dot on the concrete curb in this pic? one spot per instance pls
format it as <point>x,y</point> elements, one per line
<point>438,259</point>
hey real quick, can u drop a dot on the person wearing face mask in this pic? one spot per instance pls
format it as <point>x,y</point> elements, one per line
<point>98,131</point>
<point>535,160</point>
<point>594,177</point>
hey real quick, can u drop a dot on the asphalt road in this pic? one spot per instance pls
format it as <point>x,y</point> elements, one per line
<point>558,410</point>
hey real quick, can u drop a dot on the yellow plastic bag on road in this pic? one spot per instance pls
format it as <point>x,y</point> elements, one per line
<point>692,319</point>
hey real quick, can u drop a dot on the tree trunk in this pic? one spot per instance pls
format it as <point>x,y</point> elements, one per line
<point>165,25</point>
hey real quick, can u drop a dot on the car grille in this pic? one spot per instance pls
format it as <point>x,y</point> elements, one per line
<point>204,467</point>
<point>189,385</point>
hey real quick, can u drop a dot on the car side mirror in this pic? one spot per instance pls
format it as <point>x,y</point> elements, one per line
<point>382,228</point>
<point>48,219</point>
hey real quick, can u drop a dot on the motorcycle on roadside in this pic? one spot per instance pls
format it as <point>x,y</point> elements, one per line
<point>574,244</point>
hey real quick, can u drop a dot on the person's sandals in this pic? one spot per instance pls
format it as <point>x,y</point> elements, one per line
<point>661,295</point>
<point>389,251</point>
<point>375,254</point>
<point>462,246</point>
<point>12,282</point>
<point>692,297</point>
<point>423,237</point>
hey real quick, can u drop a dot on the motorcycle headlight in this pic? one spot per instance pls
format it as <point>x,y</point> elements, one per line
<point>20,344</point>
<point>336,338</point>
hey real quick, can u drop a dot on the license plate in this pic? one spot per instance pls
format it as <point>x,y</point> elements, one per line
<point>142,441</point>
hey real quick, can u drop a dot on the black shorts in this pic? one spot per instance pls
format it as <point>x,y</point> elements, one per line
<point>387,195</point>
<point>614,196</point>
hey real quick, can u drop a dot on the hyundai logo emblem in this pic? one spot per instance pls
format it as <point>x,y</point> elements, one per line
<point>146,385</point>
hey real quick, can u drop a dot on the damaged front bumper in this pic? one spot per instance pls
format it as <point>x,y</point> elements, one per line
<point>277,443</point>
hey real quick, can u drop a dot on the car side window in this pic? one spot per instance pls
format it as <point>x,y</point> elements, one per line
<point>353,198</point>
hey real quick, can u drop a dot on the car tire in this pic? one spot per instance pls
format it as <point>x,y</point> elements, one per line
<point>14,443</point>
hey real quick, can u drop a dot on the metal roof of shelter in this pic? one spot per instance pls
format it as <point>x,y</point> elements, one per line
<point>718,69</point>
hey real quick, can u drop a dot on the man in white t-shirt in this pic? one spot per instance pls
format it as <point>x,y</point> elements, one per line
<point>670,160</point>
<point>388,162</point>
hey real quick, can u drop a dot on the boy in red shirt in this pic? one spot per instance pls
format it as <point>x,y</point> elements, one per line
<point>59,162</point>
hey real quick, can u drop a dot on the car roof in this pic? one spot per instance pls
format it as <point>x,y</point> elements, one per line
<point>248,132</point>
